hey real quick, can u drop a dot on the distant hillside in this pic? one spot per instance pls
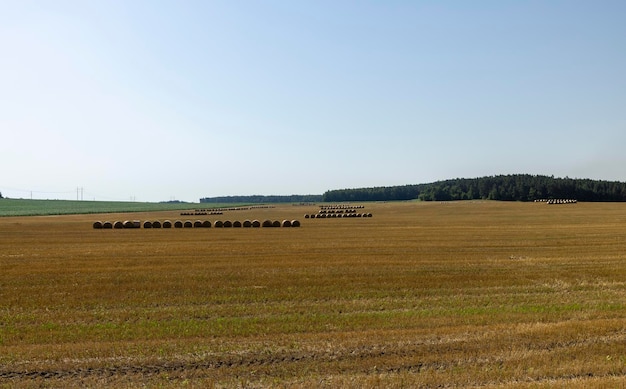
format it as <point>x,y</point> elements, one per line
<point>520,187</point>
<point>259,199</point>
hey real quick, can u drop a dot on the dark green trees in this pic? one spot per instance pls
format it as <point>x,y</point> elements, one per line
<point>519,187</point>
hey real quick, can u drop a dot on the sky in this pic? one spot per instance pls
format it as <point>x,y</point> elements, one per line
<point>152,100</point>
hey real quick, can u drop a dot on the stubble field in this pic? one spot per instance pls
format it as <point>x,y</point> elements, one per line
<point>462,294</point>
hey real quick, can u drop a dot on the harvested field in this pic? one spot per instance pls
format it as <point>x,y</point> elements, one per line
<point>461,294</point>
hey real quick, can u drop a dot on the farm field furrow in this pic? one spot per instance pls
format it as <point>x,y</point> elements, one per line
<point>459,294</point>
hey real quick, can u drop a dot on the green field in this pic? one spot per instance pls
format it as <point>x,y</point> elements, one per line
<point>460,294</point>
<point>21,207</point>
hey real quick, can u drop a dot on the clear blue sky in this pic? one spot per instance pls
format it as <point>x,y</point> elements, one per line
<point>159,100</point>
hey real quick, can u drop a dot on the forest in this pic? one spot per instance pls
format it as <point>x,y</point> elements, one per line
<point>261,199</point>
<point>517,187</point>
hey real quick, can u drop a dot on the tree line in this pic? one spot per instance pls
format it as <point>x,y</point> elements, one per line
<point>518,187</point>
<point>261,199</point>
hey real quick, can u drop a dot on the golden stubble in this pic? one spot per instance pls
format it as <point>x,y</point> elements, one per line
<point>422,294</point>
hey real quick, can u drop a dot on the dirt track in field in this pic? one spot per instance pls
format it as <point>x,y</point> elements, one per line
<point>373,359</point>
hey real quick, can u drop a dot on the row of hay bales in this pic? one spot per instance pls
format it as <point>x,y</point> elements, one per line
<point>195,224</point>
<point>347,210</point>
<point>335,215</point>
<point>201,213</point>
<point>117,224</point>
<point>234,208</point>
<point>220,211</point>
<point>341,206</point>
<point>562,201</point>
<point>557,201</point>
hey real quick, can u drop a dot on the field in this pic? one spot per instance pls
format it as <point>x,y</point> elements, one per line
<point>21,207</point>
<point>460,294</point>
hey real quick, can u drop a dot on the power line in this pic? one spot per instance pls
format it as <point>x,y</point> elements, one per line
<point>11,192</point>
<point>79,191</point>
<point>7,188</point>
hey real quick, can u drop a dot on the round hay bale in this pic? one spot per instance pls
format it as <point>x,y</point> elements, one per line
<point>295,223</point>
<point>107,225</point>
<point>118,225</point>
<point>267,223</point>
<point>219,224</point>
<point>286,223</point>
<point>228,223</point>
<point>237,223</point>
<point>167,224</point>
<point>369,215</point>
<point>156,224</point>
<point>275,223</point>
<point>206,224</point>
<point>256,223</point>
<point>128,224</point>
<point>306,216</point>
<point>247,223</point>
<point>178,224</point>
<point>197,224</point>
<point>187,224</point>
<point>147,224</point>
<point>97,225</point>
